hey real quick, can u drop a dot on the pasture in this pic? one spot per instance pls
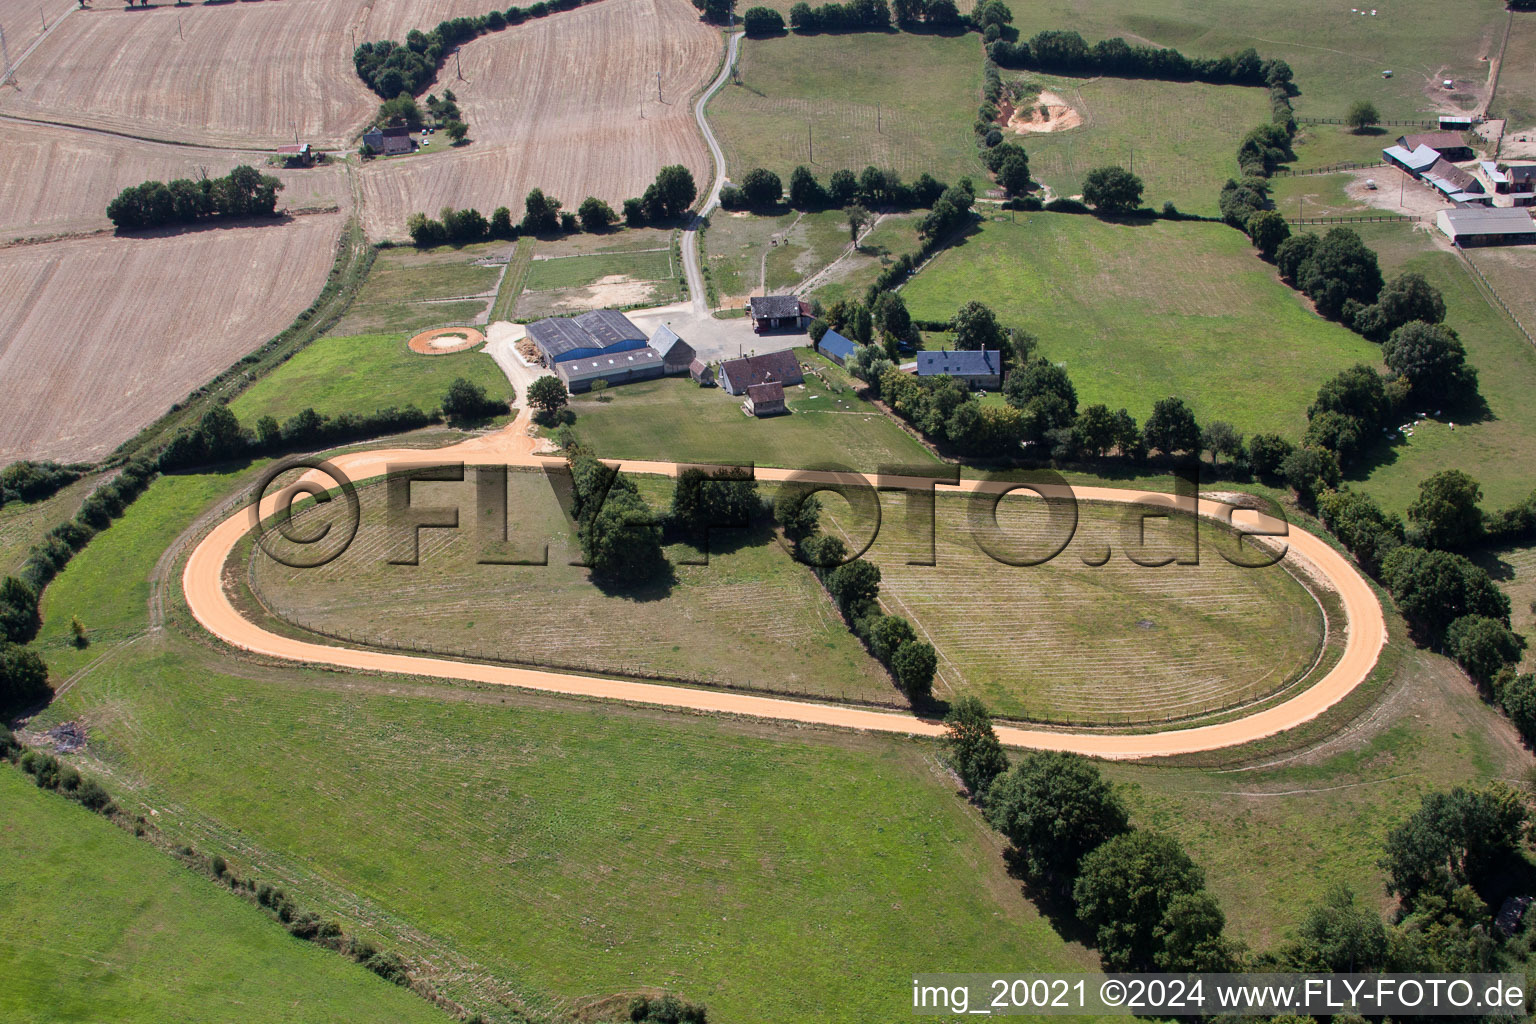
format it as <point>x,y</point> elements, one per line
<point>615,279</point>
<point>1338,55</point>
<point>245,74</point>
<point>360,374</point>
<point>1076,642</point>
<point>1140,311</point>
<point>409,289</point>
<point>1179,137</point>
<point>107,332</point>
<point>895,100</point>
<point>540,119</point>
<point>98,925</point>
<point>22,525</point>
<point>716,624</point>
<point>676,420</point>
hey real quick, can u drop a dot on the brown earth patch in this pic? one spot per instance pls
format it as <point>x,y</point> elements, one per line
<point>442,341</point>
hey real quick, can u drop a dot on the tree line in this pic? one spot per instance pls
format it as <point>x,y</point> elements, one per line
<point>1066,52</point>
<point>665,199</point>
<point>391,69</point>
<point>1144,901</point>
<point>26,481</point>
<point>860,16</point>
<point>243,192</point>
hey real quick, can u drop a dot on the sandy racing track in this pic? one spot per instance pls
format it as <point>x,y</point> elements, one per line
<point>203,586</point>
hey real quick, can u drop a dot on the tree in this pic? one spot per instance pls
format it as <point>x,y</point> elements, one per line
<point>857,217</point>
<point>466,400</point>
<point>1054,808</point>
<point>891,319</point>
<point>805,192</point>
<point>975,327</point>
<point>914,665</point>
<point>973,747</point>
<point>1267,229</point>
<point>456,130</point>
<point>501,223</point>
<point>1124,890</point>
<point>1434,588</point>
<point>1430,357</point>
<point>23,678</point>
<point>1518,695</point>
<point>1189,936</point>
<point>1483,646</point>
<point>1339,936</point>
<point>621,541</point>
<point>1358,391</point>
<point>1362,115</point>
<point>762,21</point>
<point>724,497</point>
<point>595,214</point>
<point>843,187</point>
<point>720,12</point>
<point>1310,471</point>
<point>1094,431</point>
<point>1013,174</point>
<point>1446,511</point>
<point>541,213</point>
<point>1340,267</point>
<point>19,617</point>
<point>761,189</point>
<point>798,512</point>
<point>1221,438</point>
<point>1172,428</point>
<point>1112,189</point>
<point>548,395</point>
<point>854,583</point>
<point>1453,839</point>
<point>675,190</point>
<point>1266,452</point>
<point>1361,525</point>
<point>1292,253</point>
<point>890,632</point>
<point>1409,297</point>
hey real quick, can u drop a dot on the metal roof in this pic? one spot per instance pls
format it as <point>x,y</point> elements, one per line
<point>773,306</point>
<point>609,327</point>
<point>958,363</point>
<point>1415,160</point>
<point>664,340</point>
<point>602,366</point>
<point>599,329</point>
<point>1495,175</point>
<point>1482,220</point>
<point>835,344</point>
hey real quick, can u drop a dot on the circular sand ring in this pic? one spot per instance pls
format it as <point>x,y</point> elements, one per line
<point>444,341</point>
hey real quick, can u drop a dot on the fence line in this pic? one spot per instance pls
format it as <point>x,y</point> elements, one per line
<point>1393,218</point>
<point>1350,165</point>
<point>1383,124</point>
<point>1493,293</point>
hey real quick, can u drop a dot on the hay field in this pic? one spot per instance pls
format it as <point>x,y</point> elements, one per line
<point>104,333</point>
<point>753,618</point>
<point>59,180</point>
<point>544,112</point>
<point>240,74</point>
<point>1068,641</point>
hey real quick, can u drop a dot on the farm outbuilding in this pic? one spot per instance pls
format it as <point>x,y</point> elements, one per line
<point>1414,161</point>
<point>979,369</point>
<point>737,375</point>
<point>676,353</point>
<point>1451,145</point>
<point>701,373</point>
<point>1452,182</point>
<point>775,313</point>
<point>1455,122</point>
<point>600,332</point>
<point>614,367</point>
<point>1469,227</point>
<point>765,400</point>
<point>835,347</point>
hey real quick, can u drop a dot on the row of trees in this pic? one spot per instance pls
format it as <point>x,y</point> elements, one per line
<point>763,190</point>
<point>26,481</point>
<point>666,198</point>
<point>106,503</point>
<point>390,68</point>
<point>862,16</point>
<point>243,192</point>
<point>854,585</point>
<point>1068,53</point>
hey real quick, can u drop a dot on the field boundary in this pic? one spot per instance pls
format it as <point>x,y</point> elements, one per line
<point>1486,286</point>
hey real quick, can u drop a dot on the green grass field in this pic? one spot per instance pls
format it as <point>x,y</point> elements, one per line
<point>736,248</point>
<point>578,271</point>
<point>753,602</point>
<point>1137,312</point>
<point>23,525</point>
<point>409,289</point>
<point>1071,642</point>
<point>1338,56</point>
<point>1516,96</point>
<point>362,374</point>
<point>571,283</point>
<point>676,420</point>
<point>97,925</point>
<point>1180,137</point>
<point>895,100</point>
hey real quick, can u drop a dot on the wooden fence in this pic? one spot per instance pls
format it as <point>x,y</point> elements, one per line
<point>1378,124</point>
<point>1487,287</point>
<point>1386,218</point>
<point>1353,165</point>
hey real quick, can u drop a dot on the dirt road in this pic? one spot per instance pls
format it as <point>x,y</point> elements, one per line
<point>1366,630</point>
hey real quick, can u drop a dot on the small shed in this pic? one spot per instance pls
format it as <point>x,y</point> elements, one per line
<point>765,400</point>
<point>835,347</point>
<point>1455,122</point>
<point>676,353</point>
<point>701,373</point>
<point>775,312</point>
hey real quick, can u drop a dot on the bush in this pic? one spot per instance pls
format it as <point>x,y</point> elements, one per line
<point>763,21</point>
<point>23,678</point>
<point>915,664</point>
<point>1483,646</point>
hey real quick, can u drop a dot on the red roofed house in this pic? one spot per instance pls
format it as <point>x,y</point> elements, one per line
<point>765,400</point>
<point>737,375</point>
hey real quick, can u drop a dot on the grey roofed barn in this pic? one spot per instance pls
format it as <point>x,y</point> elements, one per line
<point>590,334</point>
<point>773,306</point>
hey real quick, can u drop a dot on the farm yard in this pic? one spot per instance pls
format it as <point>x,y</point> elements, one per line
<point>675,420</point>
<point>896,100</point>
<point>242,75</point>
<point>1077,643</point>
<point>717,624</point>
<point>1179,137</point>
<point>145,939</point>
<point>539,119</point>
<point>1140,311</point>
<point>107,332</point>
<point>59,180</point>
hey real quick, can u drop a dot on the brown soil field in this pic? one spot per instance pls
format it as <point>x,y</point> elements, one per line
<point>240,74</point>
<point>542,114</point>
<point>104,333</point>
<point>23,20</point>
<point>58,180</point>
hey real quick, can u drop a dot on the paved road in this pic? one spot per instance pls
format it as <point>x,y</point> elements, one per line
<point>690,239</point>
<point>202,583</point>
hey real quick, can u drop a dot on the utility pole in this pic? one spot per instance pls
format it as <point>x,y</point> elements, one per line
<point>179,34</point>
<point>877,120</point>
<point>457,66</point>
<point>658,87</point>
<point>809,143</point>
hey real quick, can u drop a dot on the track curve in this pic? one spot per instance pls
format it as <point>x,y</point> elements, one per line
<point>202,584</point>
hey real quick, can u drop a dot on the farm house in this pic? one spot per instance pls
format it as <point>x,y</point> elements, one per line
<point>737,375</point>
<point>981,369</point>
<point>765,400</point>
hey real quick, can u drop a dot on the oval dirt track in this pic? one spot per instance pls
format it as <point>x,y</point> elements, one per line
<point>1365,630</point>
